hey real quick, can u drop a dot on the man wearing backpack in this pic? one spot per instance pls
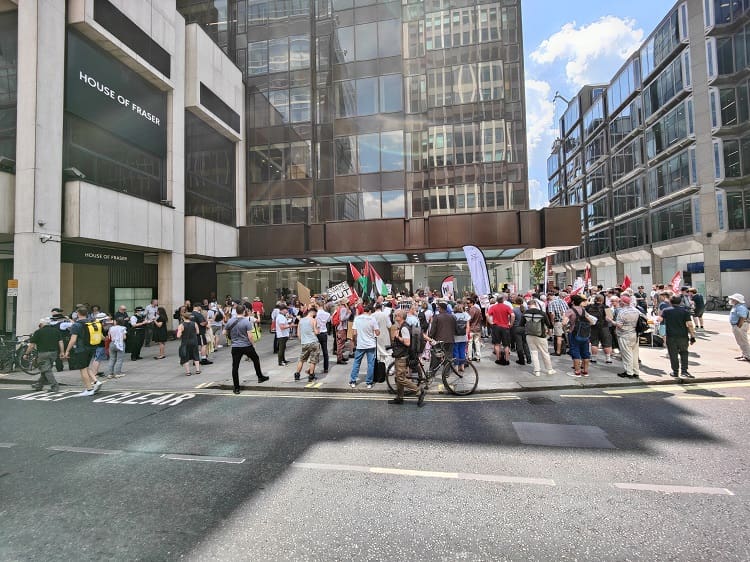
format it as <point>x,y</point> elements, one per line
<point>401,350</point>
<point>538,327</point>
<point>580,336</point>
<point>627,337</point>
<point>80,351</point>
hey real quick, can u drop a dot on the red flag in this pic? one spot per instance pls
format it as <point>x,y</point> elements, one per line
<point>355,273</point>
<point>353,298</point>
<point>587,277</point>
<point>626,283</point>
<point>676,282</point>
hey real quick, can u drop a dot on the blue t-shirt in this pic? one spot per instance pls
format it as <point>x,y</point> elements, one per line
<point>738,311</point>
<point>238,333</point>
<point>79,329</point>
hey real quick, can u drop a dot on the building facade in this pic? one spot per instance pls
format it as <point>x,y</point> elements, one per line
<point>656,157</point>
<point>153,149</point>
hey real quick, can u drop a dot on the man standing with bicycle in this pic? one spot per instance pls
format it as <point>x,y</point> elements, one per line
<point>400,346</point>
<point>443,328</point>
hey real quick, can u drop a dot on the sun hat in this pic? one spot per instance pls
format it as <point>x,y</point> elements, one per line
<point>737,297</point>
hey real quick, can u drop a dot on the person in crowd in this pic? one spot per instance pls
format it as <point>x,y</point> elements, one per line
<point>258,310</point>
<point>239,332</point>
<point>463,334</point>
<point>627,338</point>
<point>322,317</point>
<point>518,332</point>
<point>202,323</point>
<point>366,331</point>
<point>48,343</point>
<point>601,334</point>
<point>556,308</point>
<point>137,333</point>
<point>500,317</point>
<point>538,327</point>
<point>283,327</point>
<point>160,330</point>
<point>738,319</point>
<point>122,313</point>
<point>476,323</point>
<point>383,318</point>
<point>401,345</point>
<point>680,335</point>
<point>308,335</point>
<point>152,310</point>
<point>274,315</point>
<point>187,333</point>
<point>341,330</point>
<point>641,299</point>
<point>100,351</point>
<point>442,328</point>
<point>79,353</point>
<point>117,336</point>
<point>699,307</point>
<point>579,330</point>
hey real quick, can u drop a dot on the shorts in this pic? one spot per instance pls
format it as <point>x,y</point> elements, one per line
<point>202,339</point>
<point>698,312</point>
<point>557,329</point>
<point>311,353</point>
<point>500,336</point>
<point>80,359</point>
<point>579,348</point>
<point>601,336</point>
<point>100,354</point>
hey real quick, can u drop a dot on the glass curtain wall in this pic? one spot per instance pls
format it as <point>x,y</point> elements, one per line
<point>8,86</point>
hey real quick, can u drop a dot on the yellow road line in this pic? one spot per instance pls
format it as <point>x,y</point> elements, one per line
<point>687,386</point>
<point>587,396</point>
<point>710,398</point>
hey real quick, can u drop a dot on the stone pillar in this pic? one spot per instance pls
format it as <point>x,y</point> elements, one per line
<point>38,201</point>
<point>619,271</point>
<point>657,270</point>
<point>712,269</point>
<point>172,264</point>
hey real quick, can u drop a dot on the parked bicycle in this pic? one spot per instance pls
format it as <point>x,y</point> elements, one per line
<point>455,380</point>
<point>12,353</point>
<point>717,303</point>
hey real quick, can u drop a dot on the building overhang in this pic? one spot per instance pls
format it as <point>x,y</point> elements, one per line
<point>502,234</point>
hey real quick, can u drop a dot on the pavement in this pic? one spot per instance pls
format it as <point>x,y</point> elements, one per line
<point>711,359</point>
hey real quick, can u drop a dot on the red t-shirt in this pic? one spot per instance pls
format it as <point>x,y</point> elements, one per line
<point>258,306</point>
<point>500,314</point>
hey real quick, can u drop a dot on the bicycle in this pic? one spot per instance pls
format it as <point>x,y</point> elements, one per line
<point>12,355</point>
<point>717,303</point>
<point>461,383</point>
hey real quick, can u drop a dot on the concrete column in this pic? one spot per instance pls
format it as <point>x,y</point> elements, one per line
<point>712,269</point>
<point>172,265</point>
<point>657,269</point>
<point>38,201</point>
<point>619,271</point>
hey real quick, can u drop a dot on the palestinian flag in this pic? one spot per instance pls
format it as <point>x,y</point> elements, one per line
<point>360,280</point>
<point>378,283</point>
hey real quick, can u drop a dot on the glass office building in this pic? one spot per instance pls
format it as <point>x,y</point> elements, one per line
<point>365,110</point>
<point>659,157</point>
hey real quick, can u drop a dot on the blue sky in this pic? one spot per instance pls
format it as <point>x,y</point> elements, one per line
<point>568,44</point>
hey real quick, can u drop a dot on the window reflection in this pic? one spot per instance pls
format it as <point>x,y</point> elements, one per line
<point>367,96</point>
<point>278,55</point>
<point>392,151</point>
<point>369,153</point>
<point>366,41</point>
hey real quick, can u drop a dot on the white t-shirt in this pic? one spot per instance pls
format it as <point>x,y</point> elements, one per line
<point>282,326</point>
<point>322,317</point>
<point>117,336</point>
<point>365,325</point>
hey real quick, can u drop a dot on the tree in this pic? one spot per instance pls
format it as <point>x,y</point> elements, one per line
<point>538,271</point>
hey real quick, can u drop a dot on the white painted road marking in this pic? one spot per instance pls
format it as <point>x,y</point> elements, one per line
<point>426,473</point>
<point>7,445</point>
<point>199,458</point>
<point>674,489</point>
<point>128,397</point>
<point>588,396</point>
<point>85,450</point>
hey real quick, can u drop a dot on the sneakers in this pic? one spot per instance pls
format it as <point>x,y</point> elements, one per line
<point>674,375</point>
<point>206,362</point>
<point>97,386</point>
<point>311,378</point>
<point>86,393</point>
<point>551,372</point>
<point>592,360</point>
<point>422,392</point>
<point>537,374</point>
<point>353,384</point>
<point>119,376</point>
<point>609,360</point>
<point>296,376</point>
<point>575,375</point>
<point>369,386</point>
<point>687,375</point>
<point>262,378</point>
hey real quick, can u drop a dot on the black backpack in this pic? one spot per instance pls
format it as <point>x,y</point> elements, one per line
<point>460,326</point>
<point>219,316</point>
<point>423,321</point>
<point>582,330</point>
<point>416,346</point>
<point>641,325</point>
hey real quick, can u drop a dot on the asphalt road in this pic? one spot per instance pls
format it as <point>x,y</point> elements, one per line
<point>594,475</point>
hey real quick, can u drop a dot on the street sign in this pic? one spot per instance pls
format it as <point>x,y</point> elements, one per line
<point>12,292</point>
<point>12,283</point>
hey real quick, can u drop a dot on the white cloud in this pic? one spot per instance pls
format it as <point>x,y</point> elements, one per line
<point>593,52</point>
<point>537,194</point>
<point>540,116</point>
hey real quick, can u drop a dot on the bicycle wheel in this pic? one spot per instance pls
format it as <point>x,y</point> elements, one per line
<point>460,383</point>
<point>28,364</point>
<point>390,379</point>
<point>710,305</point>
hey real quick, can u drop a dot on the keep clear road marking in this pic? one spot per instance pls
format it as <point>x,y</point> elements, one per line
<point>7,445</point>
<point>85,450</point>
<point>425,473</point>
<point>199,458</point>
<point>674,489</point>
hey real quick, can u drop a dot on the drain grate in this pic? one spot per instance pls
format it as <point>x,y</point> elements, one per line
<point>540,400</point>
